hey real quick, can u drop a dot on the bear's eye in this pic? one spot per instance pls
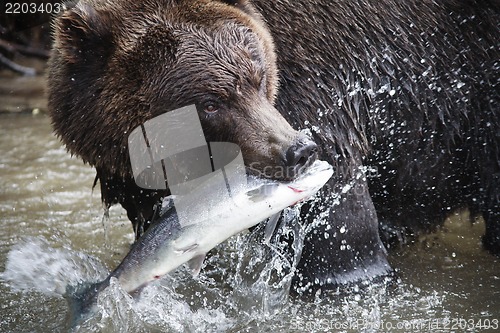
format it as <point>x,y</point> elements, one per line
<point>210,108</point>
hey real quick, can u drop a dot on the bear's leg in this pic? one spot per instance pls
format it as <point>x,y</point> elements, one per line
<point>139,203</point>
<point>345,247</point>
<point>491,215</point>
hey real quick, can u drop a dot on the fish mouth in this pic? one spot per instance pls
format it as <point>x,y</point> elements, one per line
<point>310,177</point>
<point>315,167</point>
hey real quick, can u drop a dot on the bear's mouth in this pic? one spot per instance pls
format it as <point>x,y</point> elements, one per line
<point>282,172</point>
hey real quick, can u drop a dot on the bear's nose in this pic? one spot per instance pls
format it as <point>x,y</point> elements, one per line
<point>300,155</point>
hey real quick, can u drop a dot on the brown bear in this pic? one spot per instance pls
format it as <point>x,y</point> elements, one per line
<point>406,88</point>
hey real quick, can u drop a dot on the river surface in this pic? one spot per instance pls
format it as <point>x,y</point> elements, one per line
<point>53,234</point>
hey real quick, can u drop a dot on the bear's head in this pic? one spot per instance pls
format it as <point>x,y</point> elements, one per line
<point>116,64</point>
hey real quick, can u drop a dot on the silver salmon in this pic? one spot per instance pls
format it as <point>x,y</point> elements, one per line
<point>168,244</point>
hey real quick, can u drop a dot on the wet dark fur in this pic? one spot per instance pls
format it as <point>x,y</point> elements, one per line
<point>435,145</point>
<point>409,87</point>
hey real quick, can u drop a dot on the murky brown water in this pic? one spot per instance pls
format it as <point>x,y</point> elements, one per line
<point>52,234</point>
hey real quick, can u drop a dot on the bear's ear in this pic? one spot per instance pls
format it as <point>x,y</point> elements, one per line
<point>81,32</point>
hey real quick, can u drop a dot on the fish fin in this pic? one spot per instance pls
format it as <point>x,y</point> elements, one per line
<point>188,248</point>
<point>167,204</point>
<point>270,227</point>
<point>261,192</point>
<point>195,264</point>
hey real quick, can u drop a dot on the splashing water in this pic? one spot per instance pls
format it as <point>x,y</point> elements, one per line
<point>33,264</point>
<point>258,286</point>
<point>52,235</point>
<point>264,272</point>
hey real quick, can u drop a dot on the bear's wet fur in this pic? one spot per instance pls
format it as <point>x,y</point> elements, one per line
<point>408,89</point>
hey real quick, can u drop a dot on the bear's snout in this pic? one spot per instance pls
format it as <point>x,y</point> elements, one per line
<point>300,155</point>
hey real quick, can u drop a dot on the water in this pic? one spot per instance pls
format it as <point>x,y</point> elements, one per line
<point>52,233</point>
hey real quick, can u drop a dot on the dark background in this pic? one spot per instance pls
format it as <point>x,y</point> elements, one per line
<point>25,37</point>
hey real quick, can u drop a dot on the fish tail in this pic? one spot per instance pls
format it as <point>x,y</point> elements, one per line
<point>82,300</point>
